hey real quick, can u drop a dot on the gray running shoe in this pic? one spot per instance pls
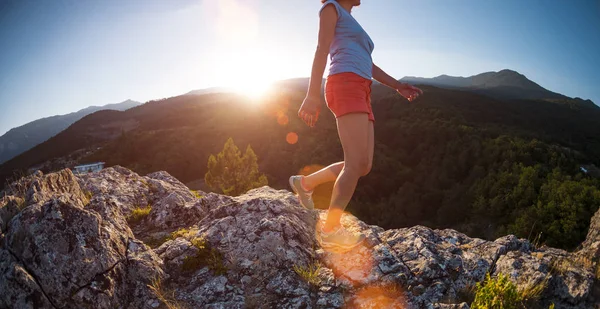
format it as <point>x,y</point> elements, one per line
<point>305,197</point>
<point>339,239</point>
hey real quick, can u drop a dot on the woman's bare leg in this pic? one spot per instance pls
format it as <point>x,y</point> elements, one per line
<point>354,131</point>
<point>331,172</point>
<point>326,174</point>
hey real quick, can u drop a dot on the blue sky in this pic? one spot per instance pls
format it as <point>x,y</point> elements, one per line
<point>60,56</point>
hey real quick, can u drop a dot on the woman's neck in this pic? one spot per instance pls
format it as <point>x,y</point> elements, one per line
<point>346,6</point>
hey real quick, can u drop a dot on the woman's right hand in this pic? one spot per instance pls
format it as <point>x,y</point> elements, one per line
<point>409,92</point>
<point>310,109</point>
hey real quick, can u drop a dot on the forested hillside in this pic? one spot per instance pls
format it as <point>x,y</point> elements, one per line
<point>451,159</point>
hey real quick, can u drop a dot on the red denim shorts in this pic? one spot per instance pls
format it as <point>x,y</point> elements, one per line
<point>347,93</point>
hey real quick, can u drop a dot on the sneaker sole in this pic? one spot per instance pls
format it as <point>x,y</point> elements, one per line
<point>334,246</point>
<point>292,185</point>
<point>296,192</point>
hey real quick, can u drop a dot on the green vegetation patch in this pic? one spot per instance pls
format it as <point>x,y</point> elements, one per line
<point>206,256</point>
<point>501,293</point>
<point>138,214</point>
<point>166,296</point>
<point>233,174</point>
<point>309,273</point>
<point>196,194</point>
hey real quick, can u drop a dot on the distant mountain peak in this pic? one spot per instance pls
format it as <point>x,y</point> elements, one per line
<point>25,137</point>
<point>503,84</point>
<point>509,71</point>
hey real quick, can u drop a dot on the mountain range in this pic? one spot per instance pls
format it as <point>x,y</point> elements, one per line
<point>505,84</point>
<point>23,138</point>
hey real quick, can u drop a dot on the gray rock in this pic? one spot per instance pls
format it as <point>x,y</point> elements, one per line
<point>60,184</point>
<point>64,246</point>
<point>172,204</point>
<point>64,250</point>
<point>69,245</point>
<point>10,206</point>
<point>125,188</point>
<point>19,288</point>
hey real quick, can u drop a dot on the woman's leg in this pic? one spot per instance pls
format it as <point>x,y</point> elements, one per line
<point>354,130</point>
<point>331,172</point>
<point>326,174</point>
<point>371,146</point>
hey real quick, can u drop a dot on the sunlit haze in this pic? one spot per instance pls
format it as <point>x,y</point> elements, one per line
<point>61,56</point>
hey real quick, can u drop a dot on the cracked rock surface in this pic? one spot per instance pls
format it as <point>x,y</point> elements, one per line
<point>67,241</point>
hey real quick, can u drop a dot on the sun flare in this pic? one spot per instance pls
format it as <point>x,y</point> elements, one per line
<point>245,59</point>
<point>254,89</point>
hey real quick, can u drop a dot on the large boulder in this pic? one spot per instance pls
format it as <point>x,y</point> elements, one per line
<point>65,250</point>
<point>264,235</point>
<point>66,242</point>
<point>259,237</point>
<point>172,205</point>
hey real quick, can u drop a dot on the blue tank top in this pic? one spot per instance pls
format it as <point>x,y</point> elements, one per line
<point>351,47</point>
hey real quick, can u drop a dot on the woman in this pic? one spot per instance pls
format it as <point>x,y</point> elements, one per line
<point>347,93</point>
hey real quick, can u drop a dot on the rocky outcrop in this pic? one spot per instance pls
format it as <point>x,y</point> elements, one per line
<point>69,242</point>
<point>64,250</point>
<point>590,248</point>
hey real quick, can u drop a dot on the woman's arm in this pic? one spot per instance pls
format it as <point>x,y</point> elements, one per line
<point>327,24</point>
<point>382,77</point>
<point>309,111</point>
<point>408,91</point>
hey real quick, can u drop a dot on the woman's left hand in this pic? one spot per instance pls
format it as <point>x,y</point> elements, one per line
<point>409,92</point>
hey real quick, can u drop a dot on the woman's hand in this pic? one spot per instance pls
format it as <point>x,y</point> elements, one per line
<point>310,110</point>
<point>409,92</point>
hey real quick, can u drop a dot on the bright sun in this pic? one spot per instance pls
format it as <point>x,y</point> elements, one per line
<point>243,59</point>
<point>249,72</point>
<point>255,88</point>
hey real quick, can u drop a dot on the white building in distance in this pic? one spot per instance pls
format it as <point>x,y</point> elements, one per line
<point>88,168</point>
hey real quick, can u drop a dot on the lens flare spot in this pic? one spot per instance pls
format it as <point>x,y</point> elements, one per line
<point>378,297</point>
<point>282,119</point>
<point>355,265</point>
<point>292,138</point>
<point>309,169</point>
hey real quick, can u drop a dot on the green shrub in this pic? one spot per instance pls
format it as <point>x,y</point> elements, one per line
<point>183,232</point>
<point>138,214</point>
<point>206,256</point>
<point>196,193</point>
<point>233,174</point>
<point>310,273</point>
<point>502,293</point>
<point>88,196</point>
<point>166,296</point>
<point>530,294</point>
<point>20,203</point>
<point>155,242</point>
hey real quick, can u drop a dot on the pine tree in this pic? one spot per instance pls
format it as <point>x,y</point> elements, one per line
<point>233,174</point>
